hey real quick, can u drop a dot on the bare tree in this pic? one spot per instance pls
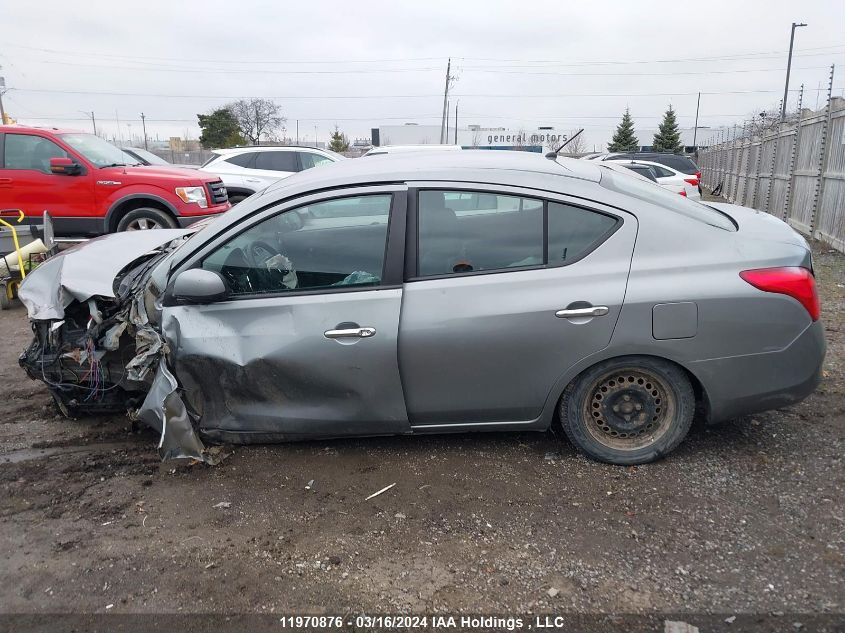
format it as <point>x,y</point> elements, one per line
<point>257,117</point>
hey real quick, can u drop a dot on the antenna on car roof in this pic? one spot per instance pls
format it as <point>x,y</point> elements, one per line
<point>553,155</point>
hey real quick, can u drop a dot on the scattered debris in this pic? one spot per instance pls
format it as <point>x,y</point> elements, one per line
<point>210,565</point>
<point>399,516</point>
<point>552,456</point>
<point>109,606</point>
<point>223,504</point>
<point>309,485</point>
<point>731,619</point>
<point>376,494</point>
<point>552,592</point>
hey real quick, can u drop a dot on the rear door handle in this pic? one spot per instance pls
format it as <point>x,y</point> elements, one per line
<point>593,311</point>
<point>355,332</point>
<point>5,183</point>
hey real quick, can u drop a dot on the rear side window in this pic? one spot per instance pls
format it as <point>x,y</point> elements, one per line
<point>574,231</point>
<point>26,151</point>
<point>310,160</point>
<point>473,231</point>
<point>666,199</point>
<point>468,231</point>
<point>662,172</point>
<point>243,160</point>
<point>277,161</point>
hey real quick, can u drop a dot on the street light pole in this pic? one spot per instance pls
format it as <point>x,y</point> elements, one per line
<point>144,125</point>
<point>788,68</point>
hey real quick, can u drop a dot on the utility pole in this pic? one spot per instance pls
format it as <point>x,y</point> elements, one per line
<point>456,120</point>
<point>2,90</point>
<point>315,136</point>
<point>443,121</point>
<point>90,115</point>
<point>788,68</point>
<point>297,131</point>
<point>144,125</point>
<point>695,130</point>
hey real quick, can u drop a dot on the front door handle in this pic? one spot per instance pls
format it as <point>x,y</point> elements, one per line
<point>6,183</point>
<point>592,311</point>
<point>355,332</point>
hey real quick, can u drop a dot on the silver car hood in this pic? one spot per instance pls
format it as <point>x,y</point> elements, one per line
<point>87,270</point>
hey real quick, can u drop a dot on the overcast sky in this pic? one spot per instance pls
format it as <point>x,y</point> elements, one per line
<point>362,63</point>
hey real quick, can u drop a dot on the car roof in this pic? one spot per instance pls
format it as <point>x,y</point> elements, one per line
<point>265,148</point>
<point>11,129</point>
<point>640,161</point>
<point>446,165</point>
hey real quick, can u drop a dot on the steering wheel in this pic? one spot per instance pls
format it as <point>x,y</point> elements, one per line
<point>259,252</point>
<point>269,277</point>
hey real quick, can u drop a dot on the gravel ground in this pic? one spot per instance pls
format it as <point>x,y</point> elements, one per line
<point>747,517</point>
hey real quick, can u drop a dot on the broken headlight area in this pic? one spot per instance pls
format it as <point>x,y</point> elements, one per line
<point>107,355</point>
<point>83,360</point>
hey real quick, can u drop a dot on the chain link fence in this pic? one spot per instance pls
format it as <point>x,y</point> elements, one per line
<point>793,169</point>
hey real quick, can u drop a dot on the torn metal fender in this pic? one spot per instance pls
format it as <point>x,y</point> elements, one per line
<point>87,270</point>
<point>164,410</point>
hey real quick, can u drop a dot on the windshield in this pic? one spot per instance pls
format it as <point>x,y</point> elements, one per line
<point>655,194</point>
<point>99,152</point>
<point>148,157</point>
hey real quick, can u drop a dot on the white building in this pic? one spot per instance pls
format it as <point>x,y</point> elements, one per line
<point>473,136</point>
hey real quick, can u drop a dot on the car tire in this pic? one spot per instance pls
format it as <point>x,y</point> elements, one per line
<point>5,300</point>
<point>146,218</point>
<point>630,410</point>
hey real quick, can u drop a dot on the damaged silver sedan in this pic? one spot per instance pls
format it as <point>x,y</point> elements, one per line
<point>434,292</point>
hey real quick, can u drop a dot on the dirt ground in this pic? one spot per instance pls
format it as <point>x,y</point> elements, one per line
<point>747,517</point>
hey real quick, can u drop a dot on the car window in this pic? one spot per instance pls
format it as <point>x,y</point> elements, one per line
<point>310,160</point>
<point>467,231</point>
<point>671,201</point>
<point>681,163</point>
<point>574,231</point>
<point>643,170</point>
<point>662,172</point>
<point>246,159</point>
<point>27,151</point>
<point>332,244</point>
<point>277,161</point>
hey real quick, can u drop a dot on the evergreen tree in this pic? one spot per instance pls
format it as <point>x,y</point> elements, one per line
<point>338,142</point>
<point>668,137</point>
<point>219,129</point>
<point>624,139</point>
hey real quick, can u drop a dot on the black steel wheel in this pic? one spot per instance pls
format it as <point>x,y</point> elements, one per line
<point>629,410</point>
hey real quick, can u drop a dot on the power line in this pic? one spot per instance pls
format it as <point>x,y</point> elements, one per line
<point>139,58</point>
<point>397,96</point>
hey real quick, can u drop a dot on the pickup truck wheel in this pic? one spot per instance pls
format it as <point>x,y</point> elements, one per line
<point>145,218</point>
<point>630,410</point>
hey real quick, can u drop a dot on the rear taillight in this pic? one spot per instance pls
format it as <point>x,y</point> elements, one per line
<point>683,193</point>
<point>692,181</point>
<point>793,281</point>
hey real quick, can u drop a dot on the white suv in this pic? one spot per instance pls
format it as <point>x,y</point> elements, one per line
<point>245,170</point>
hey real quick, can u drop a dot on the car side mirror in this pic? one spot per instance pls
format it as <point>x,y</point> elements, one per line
<point>64,167</point>
<point>199,286</point>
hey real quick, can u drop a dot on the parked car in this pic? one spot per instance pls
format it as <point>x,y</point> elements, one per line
<point>437,292</point>
<point>667,176</point>
<point>146,157</point>
<point>643,172</point>
<point>245,170</point>
<point>677,162</point>
<point>89,188</point>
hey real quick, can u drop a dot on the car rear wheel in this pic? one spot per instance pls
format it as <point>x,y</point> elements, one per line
<point>144,219</point>
<point>629,410</point>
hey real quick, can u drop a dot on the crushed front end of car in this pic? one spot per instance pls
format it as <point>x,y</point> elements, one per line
<point>97,340</point>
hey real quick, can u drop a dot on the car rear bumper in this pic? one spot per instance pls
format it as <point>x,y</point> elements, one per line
<point>741,385</point>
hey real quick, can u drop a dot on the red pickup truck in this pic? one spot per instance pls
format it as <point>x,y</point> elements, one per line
<point>91,187</point>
